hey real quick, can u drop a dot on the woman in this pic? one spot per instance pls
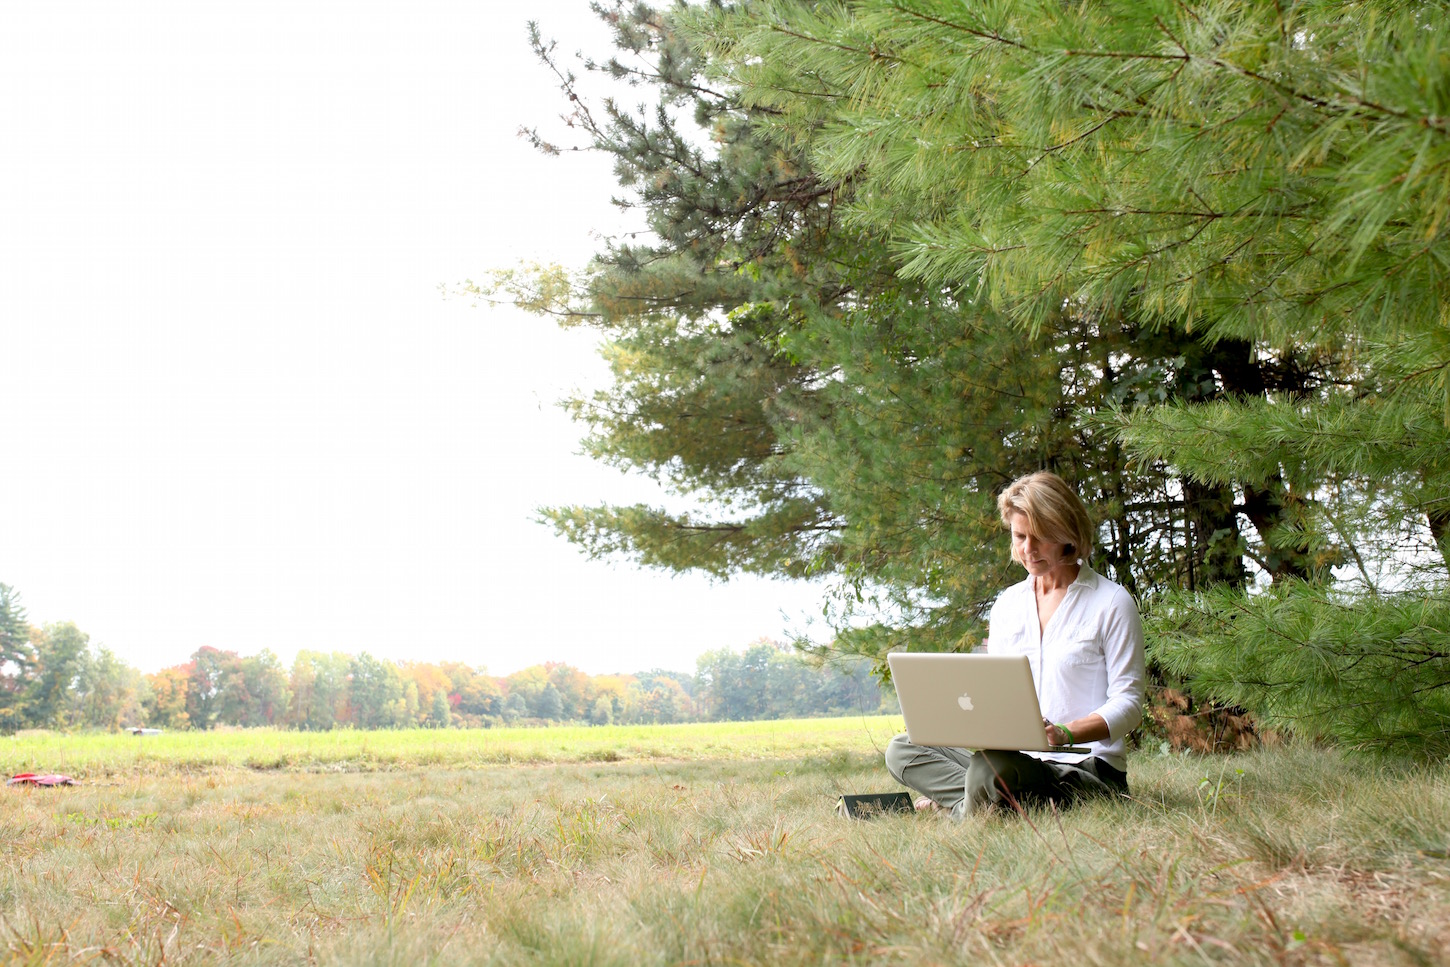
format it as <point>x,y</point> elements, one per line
<point>1083,638</point>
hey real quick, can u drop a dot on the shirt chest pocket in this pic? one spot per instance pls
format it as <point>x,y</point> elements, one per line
<point>1016,642</point>
<point>1081,647</point>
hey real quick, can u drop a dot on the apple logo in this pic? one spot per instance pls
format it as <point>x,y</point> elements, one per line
<point>965,702</point>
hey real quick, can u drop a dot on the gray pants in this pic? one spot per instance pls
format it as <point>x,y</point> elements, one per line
<point>963,781</point>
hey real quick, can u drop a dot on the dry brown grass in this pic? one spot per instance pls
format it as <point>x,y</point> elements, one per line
<point>1290,856</point>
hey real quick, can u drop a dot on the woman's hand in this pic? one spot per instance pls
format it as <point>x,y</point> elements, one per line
<point>1089,728</point>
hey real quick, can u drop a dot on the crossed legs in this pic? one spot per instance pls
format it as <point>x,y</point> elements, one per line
<point>963,782</point>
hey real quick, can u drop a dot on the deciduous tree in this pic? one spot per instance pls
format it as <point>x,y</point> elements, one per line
<point>114,693</point>
<point>61,679</point>
<point>267,694</point>
<point>166,703</point>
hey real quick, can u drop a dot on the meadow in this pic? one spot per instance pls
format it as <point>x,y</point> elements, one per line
<point>701,844</point>
<point>348,750</point>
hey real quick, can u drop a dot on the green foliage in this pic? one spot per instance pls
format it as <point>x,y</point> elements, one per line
<point>769,681</point>
<point>1191,253</point>
<point>67,684</point>
<point>53,677</point>
<point>1245,166</point>
<point>1369,672</point>
<point>547,704</point>
<point>827,412</point>
<point>17,657</point>
<point>64,673</point>
<point>375,693</point>
<point>440,716</point>
<point>315,689</point>
<point>212,690</point>
<point>265,688</point>
<point>113,694</point>
<point>1249,172</point>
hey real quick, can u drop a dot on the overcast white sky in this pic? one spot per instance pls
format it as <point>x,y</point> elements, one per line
<point>235,409</point>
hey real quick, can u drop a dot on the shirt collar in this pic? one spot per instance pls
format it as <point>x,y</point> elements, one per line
<point>1086,576</point>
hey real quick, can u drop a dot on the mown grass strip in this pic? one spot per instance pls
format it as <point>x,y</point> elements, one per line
<point>90,755</point>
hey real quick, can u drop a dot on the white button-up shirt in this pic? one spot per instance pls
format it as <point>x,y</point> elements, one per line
<point>1088,659</point>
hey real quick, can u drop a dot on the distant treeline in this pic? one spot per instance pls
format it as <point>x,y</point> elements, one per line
<point>53,677</point>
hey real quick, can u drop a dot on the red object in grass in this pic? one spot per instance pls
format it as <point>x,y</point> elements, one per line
<point>32,779</point>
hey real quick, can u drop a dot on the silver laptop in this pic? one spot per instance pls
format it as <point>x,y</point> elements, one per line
<point>970,702</point>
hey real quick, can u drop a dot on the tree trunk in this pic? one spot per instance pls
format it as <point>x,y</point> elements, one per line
<point>1266,509</point>
<point>1214,539</point>
<point>1242,375</point>
<point>1439,518</point>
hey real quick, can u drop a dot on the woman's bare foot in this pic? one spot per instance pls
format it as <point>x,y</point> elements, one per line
<point>926,804</point>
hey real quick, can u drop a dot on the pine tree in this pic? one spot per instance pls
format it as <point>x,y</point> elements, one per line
<point>829,416</point>
<point>17,659</point>
<point>1270,178</point>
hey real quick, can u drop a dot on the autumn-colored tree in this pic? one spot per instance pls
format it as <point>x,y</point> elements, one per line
<point>429,680</point>
<point>621,691</point>
<point>166,704</point>
<point>576,690</point>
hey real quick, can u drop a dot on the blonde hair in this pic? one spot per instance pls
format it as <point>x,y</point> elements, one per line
<point>1053,510</point>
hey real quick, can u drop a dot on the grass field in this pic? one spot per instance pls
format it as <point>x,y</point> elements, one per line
<point>697,845</point>
<point>104,754</point>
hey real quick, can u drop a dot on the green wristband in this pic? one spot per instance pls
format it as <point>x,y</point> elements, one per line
<point>1066,731</point>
